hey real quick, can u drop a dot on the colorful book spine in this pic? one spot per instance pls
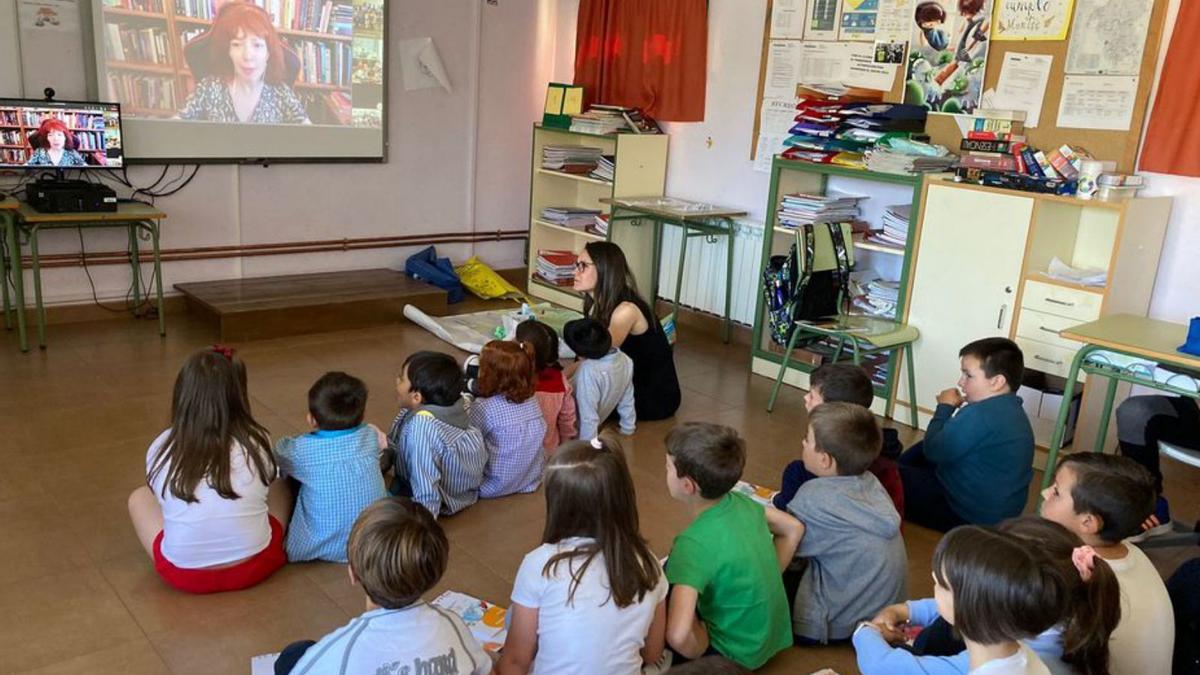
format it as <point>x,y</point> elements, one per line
<point>1031,164</point>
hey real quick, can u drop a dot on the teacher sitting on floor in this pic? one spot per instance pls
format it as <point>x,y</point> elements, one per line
<point>610,296</point>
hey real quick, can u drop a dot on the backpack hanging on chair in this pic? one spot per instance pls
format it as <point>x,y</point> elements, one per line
<point>810,283</point>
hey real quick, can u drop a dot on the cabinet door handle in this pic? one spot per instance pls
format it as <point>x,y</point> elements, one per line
<point>1000,317</point>
<point>1050,361</point>
<point>1064,303</point>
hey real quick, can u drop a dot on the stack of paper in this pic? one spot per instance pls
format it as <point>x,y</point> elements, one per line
<point>570,216</point>
<point>579,159</point>
<point>556,267</point>
<point>888,160</point>
<point>483,619</point>
<point>874,296</point>
<point>599,225</point>
<point>840,131</point>
<point>1076,275</point>
<point>803,209</point>
<point>605,168</point>
<point>895,227</point>
<point>599,121</point>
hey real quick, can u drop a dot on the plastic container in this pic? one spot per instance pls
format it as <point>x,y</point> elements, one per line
<point>1117,193</point>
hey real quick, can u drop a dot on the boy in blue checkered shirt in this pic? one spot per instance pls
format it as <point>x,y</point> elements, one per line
<point>336,465</point>
<point>439,456</point>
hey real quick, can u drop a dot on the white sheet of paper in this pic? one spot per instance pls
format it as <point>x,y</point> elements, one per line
<point>421,66</point>
<point>1097,102</point>
<point>787,19</point>
<point>822,62</point>
<point>777,115</point>
<point>862,71</point>
<point>263,664</point>
<point>783,69</point>
<point>769,145</point>
<point>893,22</point>
<point>1108,37</point>
<point>1022,84</point>
<point>823,19</point>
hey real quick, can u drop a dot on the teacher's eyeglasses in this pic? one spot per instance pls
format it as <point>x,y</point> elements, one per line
<point>581,265</point>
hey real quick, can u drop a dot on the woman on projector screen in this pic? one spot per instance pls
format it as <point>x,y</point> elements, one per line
<point>57,143</point>
<point>242,71</point>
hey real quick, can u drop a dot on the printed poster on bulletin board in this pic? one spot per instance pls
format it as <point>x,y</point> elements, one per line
<point>1032,19</point>
<point>947,54</point>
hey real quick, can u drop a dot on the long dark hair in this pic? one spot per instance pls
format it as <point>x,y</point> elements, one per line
<point>614,284</point>
<point>210,412</point>
<point>589,493</point>
<point>1094,605</point>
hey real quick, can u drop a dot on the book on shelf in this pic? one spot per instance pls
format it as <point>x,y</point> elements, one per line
<point>606,168</point>
<point>599,225</point>
<point>803,209</point>
<point>555,267</point>
<point>570,216</point>
<point>150,92</point>
<point>143,45</point>
<point>571,158</point>
<point>153,6</point>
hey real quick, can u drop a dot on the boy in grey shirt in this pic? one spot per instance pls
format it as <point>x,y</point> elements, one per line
<point>603,382</point>
<point>857,564</point>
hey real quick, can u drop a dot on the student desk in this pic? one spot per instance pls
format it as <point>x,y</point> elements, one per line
<point>135,217</point>
<point>1127,334</point>
<point>694,220</point>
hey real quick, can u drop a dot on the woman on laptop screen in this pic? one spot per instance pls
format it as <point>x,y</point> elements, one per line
<point>243,70</point>
<point>54,145</point>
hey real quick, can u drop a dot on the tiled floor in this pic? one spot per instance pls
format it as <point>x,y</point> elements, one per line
<point>78,594</point>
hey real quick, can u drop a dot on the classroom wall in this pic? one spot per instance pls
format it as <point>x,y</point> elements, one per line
<point>458,162</point>
<point>709,160</point>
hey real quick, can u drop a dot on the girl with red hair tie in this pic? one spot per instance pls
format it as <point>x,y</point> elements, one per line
<point>247,77</point>
<point>57,143</point>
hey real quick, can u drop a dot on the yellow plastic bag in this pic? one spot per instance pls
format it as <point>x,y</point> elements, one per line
<point>483,281</point>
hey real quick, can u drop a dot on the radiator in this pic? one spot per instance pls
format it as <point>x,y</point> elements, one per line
<point>704,272</point>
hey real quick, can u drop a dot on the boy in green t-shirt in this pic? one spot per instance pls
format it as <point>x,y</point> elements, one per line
<point>727,594</point>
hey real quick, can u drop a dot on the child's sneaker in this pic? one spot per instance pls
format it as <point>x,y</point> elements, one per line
<point>1157,524</point>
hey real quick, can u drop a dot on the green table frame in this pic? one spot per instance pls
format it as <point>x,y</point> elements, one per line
<point>134,217</point>
<point>711,223</point>
<point>1129,335</point>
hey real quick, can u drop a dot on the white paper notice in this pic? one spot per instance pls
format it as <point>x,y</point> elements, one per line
<point>823,19</point>
<point>421,66</point>
<point>787,19</point>
<point>1097,102</point>
<point>769,145</point>
<point>1108,37</point>
<point>858,20</point>
<point>777,116</point>
<point>822,62</point>
<point>862,71</point>
<point>1022,84</point>
<point>783,69</point>
<point>893,22</point>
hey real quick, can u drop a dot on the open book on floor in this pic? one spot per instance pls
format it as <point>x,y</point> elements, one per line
<point>758,493</point>
<point>483,619</point>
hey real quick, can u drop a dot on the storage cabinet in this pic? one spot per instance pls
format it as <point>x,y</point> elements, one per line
<point>640,171</point>
<point>981,263</point>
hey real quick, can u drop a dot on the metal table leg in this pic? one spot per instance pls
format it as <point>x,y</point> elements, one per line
<point>728,278</point>
<point>1110,395</point>
<point>912,385</point>
<point>135,266</point>
<point>18,281</point>
<point>162,315</point>
<point>4,235</point>
<point>679,275</point>
<point>1060,425</point>
<point>37,286</point>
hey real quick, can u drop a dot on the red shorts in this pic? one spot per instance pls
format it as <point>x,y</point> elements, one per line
<point>242,575</point>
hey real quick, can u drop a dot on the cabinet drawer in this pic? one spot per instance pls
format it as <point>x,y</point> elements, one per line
<point>1046,357</point>
<point>1070,303</point>
<point>1043,327</point>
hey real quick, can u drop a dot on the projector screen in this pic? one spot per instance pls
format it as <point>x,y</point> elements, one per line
<point>245,81</point>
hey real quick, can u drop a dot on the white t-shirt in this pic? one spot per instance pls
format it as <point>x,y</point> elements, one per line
<point>1144,641</point>
<point>213,530</point>
<point>1024,662</point>
<point>420,638</point>
<point>592,635</point>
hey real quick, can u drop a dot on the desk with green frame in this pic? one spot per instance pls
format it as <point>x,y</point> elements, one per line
<point>135,217</point>
<point>1134,336</point>
<point>694,219</point>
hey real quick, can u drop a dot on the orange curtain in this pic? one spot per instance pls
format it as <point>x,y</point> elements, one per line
<point>1172,143</point>
<point>649,54</point>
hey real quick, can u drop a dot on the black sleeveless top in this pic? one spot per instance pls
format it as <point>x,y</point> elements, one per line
<point>655,384</point>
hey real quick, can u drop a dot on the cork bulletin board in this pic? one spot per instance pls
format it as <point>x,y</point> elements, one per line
<point>1120,146</point>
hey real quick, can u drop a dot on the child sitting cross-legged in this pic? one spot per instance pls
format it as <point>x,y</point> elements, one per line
<point>592,597</point>
<point>603,380</point>
<point>1076,645</point>
<point>856,563</point>
<point>397,552</point>
<point>438,456</point>
<point>510,419</point>
<point>995,590</point>
<point>727,594</point>
<point>976,460</point>
<point>845,382</point>
<point>1104,499</point>
<point>336,465</point>
<point>554,393</point>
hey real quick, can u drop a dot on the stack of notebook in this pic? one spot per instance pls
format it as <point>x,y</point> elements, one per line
<point>570,216</point>
<point>803,209</point>
<point>605,168</point>
<point>905,159</point>
<point>599,225</point>
<point>599,121</point>
<point>556,267</point>
<point>874,296</point>
<point>577,159</point>
<point>895,227</point>
<point>836,131</point>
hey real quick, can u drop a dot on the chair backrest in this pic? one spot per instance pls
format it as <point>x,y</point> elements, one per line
<point>1185,455</point>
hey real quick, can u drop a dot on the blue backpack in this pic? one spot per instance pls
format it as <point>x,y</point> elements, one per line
<point>424,265</point>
